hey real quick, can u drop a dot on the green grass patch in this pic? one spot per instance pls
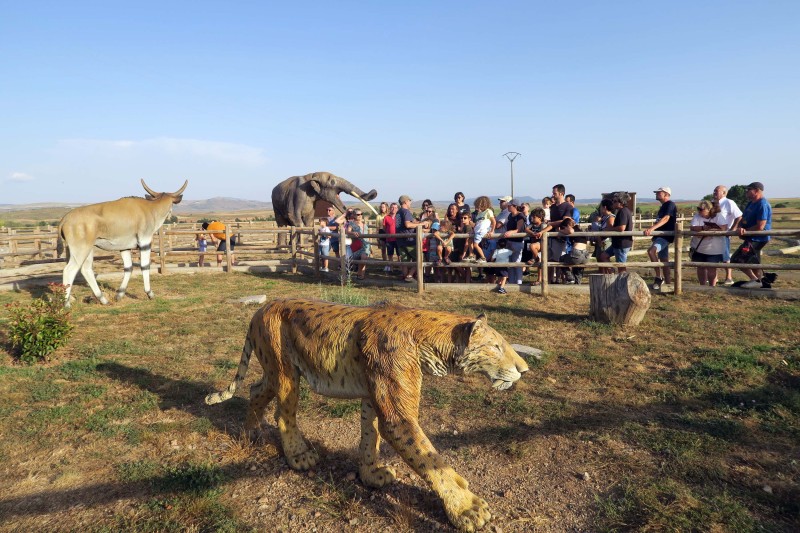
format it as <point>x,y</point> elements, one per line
<point>720,369</point>
<point>226,364</point>
<point>438,397</point>
<point>668,505</point>
<point>342,408</point>
<point>201,425</point>
<point>132,471</point>
<point>119,347</point>
<point>44,390</point>
<point>79,369</point>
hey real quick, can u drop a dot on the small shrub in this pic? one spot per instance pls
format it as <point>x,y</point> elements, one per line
<point>40,328</point>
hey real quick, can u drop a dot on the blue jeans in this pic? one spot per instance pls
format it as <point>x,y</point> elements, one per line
<point>515,274</point>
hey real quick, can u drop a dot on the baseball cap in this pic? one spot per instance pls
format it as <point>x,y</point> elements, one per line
<point>516,202</point>
<point>435,226</point>
<point>404,198</point>
<point>505,198</point>
<point>664,189</point>
<point>756,185</point>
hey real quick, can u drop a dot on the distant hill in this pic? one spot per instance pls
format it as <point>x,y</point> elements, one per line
<point>221,205</point>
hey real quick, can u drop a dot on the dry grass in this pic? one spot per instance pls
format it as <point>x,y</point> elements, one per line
<point>681,424</point>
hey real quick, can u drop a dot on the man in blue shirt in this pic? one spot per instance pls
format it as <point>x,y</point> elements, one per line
<point>757,216</point>
<point>665,221</point>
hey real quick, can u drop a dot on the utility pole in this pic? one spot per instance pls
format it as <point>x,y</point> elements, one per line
<point>511,156</point>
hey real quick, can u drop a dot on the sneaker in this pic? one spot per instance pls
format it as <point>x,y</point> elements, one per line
<point>519,282</point>
<point>501,290</point>
<point>481,260</point>
<point>728,282</point>
<point>770,277</point>
<point>324,270</point>
<point>657,284</point>
<point>752,284</point>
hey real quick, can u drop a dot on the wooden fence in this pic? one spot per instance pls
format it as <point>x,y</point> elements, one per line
<point>292,246</point>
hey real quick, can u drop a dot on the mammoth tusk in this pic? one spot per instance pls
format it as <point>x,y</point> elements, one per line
<point>365,203</point>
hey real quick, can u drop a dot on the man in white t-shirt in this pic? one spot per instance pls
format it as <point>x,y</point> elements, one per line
<point>732,214</point>
<point>501,219</point>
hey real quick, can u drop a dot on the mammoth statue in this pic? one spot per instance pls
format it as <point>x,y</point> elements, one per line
<point>293,199</point>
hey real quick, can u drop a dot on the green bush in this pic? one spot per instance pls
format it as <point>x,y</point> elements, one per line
<point>41,327</point>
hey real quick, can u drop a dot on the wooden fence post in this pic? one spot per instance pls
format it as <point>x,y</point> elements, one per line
<point>543,261</point>
<point>228,261</point>
<point>293,248</point>
<point>161,259</point>
<point>343,267</point>
<point>420,256</point>
<point>315,243</point>
<point>679,258</point>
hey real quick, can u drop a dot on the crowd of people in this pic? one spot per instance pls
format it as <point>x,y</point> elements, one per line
<point>513,234</point>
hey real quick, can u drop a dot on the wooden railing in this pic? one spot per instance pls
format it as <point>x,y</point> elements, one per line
<point>169,242</point>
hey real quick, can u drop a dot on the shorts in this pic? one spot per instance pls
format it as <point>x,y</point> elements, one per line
<point>407,253</point>
<point>726,250</point>
<point>662,247</point>
<point>481,230</point>
<point>575,257</point>
<point>325,249</point>
<point>698,257</point>
<point>391,249</point>
<point>620,254</point>
<point>221,246</point>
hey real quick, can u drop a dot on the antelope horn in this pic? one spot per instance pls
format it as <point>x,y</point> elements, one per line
<point>365,203</point>
<point>150,191</point>
<point>180,191</point>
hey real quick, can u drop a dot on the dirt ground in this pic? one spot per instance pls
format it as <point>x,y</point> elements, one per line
<point>670,426</point>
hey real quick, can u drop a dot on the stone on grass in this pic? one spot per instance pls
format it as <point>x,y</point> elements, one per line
<point>250,300</point>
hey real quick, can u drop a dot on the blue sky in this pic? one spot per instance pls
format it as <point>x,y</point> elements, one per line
<point>418,98</point>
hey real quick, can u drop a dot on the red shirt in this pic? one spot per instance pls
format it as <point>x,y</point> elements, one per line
<point>389,226</point>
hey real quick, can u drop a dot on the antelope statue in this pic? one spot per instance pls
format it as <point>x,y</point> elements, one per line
<point>121,225</point>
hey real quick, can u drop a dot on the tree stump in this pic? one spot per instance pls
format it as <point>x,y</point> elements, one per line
<point>618,298</point>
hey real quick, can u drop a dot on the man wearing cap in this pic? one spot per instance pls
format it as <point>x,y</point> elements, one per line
<point>757,216</point>
<point>406,247</point>
<point>665,221</point>
<point>732,214</point>
<point>501,219</point>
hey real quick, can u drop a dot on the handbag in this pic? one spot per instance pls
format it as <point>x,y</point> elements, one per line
<point>693,249</point>
<point>745,254</point>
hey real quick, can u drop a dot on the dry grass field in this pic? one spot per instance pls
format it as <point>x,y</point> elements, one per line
<point>690,422</point>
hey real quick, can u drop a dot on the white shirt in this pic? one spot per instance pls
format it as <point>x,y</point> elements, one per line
<point>708,245</point>
<point>729,210</point>
<point>502,218</point>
